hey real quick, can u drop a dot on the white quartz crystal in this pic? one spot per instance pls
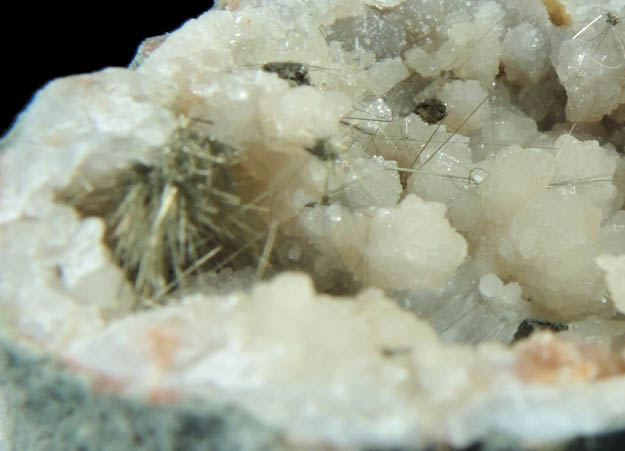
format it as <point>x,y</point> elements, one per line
<point>413,246</point>
<point>589,57</point>
<point>301,115</point>
<point>615,269</point>
<point>455,167</point>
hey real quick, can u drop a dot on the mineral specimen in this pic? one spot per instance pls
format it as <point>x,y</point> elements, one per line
<point>176,233</point>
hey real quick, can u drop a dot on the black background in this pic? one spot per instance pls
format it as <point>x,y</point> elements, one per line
<point>46,40</point>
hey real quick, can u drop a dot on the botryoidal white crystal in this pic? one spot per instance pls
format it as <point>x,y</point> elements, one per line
<point>460,156</point>
<point>430,249</point>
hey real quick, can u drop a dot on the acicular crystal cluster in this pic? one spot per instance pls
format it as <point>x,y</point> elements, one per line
<point>453,167</point>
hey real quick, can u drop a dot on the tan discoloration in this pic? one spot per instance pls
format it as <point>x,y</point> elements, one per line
<point>230,5</point>
<point>151,44</point>
<point>146,48</point>
<point>103,383</point>
<point>163,396</point>
<point>557,13</point>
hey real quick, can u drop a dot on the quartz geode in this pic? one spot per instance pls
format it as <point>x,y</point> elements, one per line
<point>174,235</point>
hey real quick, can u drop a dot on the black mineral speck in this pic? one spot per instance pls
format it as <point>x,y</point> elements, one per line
<point>295,73</point>
<point>431,110</point>
<point>392,352</point>
<point>322,149</point>
<point>529,326</point>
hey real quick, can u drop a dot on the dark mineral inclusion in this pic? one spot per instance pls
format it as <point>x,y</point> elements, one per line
<point>295,73</point>
<point>529,326</point>
<point>431,110</point>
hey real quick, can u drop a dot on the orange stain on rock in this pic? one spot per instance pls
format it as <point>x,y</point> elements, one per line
<point>163,345</point>
<point>544,358</point>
